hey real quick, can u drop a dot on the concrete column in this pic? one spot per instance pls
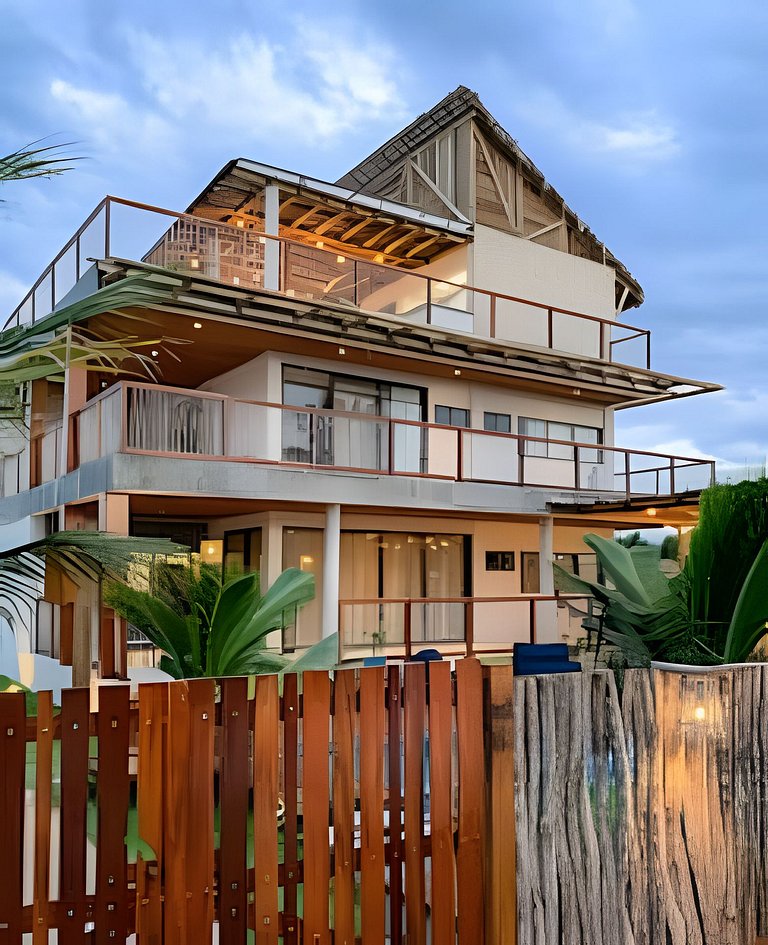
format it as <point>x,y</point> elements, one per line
<point>272,227</point>
<point>546,612</point>
<point>331,557</point>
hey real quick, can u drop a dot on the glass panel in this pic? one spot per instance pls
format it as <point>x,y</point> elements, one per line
<point>303,549</point>
<point>111,422</point>
<point>169,422</point>
<point>234,553</point>
<point>530,572</point>
<point>44,298</point>
<point>560,431</point>
<point>65,272</point>
<point>92,242</point>
<point>588,435</point>
<point>530,427</point>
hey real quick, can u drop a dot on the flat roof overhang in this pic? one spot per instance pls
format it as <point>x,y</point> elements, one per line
<point>676,511</point>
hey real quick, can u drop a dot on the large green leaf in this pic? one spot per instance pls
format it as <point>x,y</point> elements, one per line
<point>750,614</point>
<point>323,655</point>
<point>619,567</point>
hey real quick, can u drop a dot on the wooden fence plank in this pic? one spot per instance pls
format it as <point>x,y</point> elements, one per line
<point>113,725</point>
<point>266,752</point>
<point>188,821</point>
<point>344,714</point>
<point>43,783</point>
<point>75,718</point>
<point>233,803</point>
<point>150,793</point>
<point>415,728</point>
<point>395,790</point>
<point>502,891</point>
<point>316,804</point>
<point>470,857</point>
<point>290,780</point>
<point>372,721</point>
<point>12,773</point>
<point>440,805</point>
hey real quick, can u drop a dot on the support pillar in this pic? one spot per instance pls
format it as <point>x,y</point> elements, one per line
<point>272,228</point>
<point>331,568</point>
<point>546,611</point>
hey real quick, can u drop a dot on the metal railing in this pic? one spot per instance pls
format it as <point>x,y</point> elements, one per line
<point>398,627</point>
<point>145,418</point>
<point>240,255</point>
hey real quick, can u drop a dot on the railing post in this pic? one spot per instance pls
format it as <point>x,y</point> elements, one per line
<point>532,620</point>
<point>107,226</point>
<point>603,329</point>
<point>671,475</point>
<point>493,316</point>
<point>712,474</point>
<point>312,439</point>
<point>550,329</point>
<point>627,482</point>
<point>354,282</point>
<point>576,468</point>
<point>459,456</point>
<point>648,350</point>
<point>407,628</point>
<point>469,626</point>
<point>77,258</point>
<point>391,448</point>
<point>429,301</point>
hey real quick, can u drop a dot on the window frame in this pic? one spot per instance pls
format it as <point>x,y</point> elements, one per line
<point>451,422</point>
<point>527,447</point>
<point>487,414</point>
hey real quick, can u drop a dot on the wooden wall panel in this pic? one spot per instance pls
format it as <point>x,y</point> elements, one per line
<point>441,805</point>
<point>12,772</point>
<point>316,806</point>
<point>415,724</point>
<point>113,789</point>
<point>266,754</point>
<point>234,780</point>
<point>344,731</point>
<point>150,799</point>
<point>43,783</point>
<point>372,724</point>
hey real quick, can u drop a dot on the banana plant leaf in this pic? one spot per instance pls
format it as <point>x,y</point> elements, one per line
<point>750,615</point>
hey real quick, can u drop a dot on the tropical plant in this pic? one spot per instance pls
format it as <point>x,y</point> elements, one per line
<point>36,160</point>
<point>210,626</point>
<point>632,540</point>
<point>715,610</point>
<point>670,548</point>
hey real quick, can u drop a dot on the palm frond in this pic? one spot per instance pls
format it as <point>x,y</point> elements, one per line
<point>43,161</point>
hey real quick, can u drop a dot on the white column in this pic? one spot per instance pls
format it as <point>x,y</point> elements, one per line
<point>546,611</point>
<point>272,226</point>
<point>331,556</point>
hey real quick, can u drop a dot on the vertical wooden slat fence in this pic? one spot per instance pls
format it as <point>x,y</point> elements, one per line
<point>402,805</point>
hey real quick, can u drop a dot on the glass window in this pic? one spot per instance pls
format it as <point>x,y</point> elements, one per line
<point>556,430</point>
<point>452,416</point>
<point>303,549</point>
<point>497,422</point>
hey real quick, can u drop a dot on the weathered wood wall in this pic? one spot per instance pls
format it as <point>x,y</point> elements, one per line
<point>642,821</point>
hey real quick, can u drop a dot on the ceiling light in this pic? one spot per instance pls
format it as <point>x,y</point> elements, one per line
<point>341,259</point>
<point>652,512</point>
<point>155,354</point>
<point>342,350</point>
<point>457,372</point>
<point>320,244</point>
<point>241,223</point>
<point>379,258</point>
<point>197,324</point>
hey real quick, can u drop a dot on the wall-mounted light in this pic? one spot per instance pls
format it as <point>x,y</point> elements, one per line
<point>576,391</point>
<point>342,350</point>
<point>320,244</point>
<point>155,354</point>
<point>197,324</point>
<point>457,372</point>
<point>652,513</point>
<point>341,259</point>
<point>240,223</point>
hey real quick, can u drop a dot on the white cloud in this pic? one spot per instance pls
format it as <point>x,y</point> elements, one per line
<point>324,84</point>
<point>638,138</point>
<point>12,291</point>
<point>110,121</point>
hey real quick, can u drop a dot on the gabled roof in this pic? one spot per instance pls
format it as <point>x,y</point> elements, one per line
<point>463,103</point>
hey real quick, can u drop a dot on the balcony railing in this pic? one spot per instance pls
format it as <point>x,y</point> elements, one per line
<point>241,256</point>
<point>146,418</point>
<point>398,627</point>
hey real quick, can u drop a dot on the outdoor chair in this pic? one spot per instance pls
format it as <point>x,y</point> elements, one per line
<point>540,659</point>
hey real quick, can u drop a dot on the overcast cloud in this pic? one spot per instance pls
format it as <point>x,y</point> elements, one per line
<point>650,119</point>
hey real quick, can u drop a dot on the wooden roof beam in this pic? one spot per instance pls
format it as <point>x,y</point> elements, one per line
<point>305,216</point>
<point>368,244</point>
<point>324,227</point>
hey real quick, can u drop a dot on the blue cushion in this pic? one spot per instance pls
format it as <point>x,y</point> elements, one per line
<point>374,661</point>
<point>542,658</point>
<point>426,656</point>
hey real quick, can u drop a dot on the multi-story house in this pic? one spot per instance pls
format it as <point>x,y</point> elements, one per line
<point>404,382</point>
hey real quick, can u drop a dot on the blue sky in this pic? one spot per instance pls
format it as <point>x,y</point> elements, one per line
<point>649,117</point>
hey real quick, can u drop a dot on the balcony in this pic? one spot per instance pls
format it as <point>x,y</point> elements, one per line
<point>173,422</point>
<point>253,260</point>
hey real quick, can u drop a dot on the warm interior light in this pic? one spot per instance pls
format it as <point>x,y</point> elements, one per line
<point>306,561</point>
<point>197,324</point>
<point>699,713</point>
<point>341,259</point>
<point>320,244</point>
<point>194,263</point>
<point>212,550</point>
<point>443,544</point>
<point>241,223</point>
<point>651,512</point>
<point>236,280</point>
